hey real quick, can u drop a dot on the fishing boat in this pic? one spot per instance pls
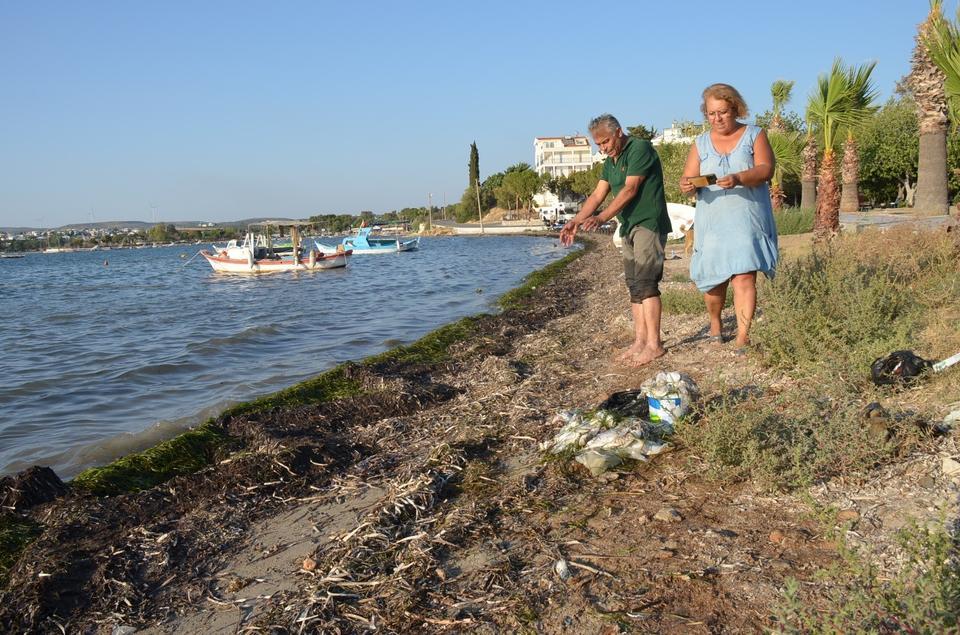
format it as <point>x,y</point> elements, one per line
<point>362,243</point>
<point>257,254</point>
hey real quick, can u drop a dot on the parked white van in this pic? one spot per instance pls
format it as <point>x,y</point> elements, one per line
<point>557,213</point>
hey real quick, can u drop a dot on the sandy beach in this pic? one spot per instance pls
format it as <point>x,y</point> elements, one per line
<point>421,503</point>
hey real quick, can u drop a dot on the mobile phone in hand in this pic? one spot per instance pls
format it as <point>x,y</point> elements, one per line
<point>703,180</point>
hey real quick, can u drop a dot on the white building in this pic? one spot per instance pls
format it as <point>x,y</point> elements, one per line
<point>673,134</point>
<point>562,156</point>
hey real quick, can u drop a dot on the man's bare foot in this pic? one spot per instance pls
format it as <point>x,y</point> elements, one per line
<point>631,352</point>
<point>647,355</point>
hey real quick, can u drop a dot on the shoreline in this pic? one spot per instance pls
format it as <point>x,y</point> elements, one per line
<point>407,493</point>
<point>210,444</point>
<point>101,429</point>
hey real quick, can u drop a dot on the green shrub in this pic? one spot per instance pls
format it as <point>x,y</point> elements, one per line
<point>826,317</point>
<point>794,220</point>
<point>792,440</point>
<point>831,313</point>
<point>923,598</point>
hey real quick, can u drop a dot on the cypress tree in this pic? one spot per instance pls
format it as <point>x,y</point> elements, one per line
<point>474,165</point>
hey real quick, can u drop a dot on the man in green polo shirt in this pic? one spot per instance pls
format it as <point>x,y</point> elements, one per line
<point>632,172</point>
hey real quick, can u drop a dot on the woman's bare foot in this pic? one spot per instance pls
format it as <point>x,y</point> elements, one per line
<point>647,355</point>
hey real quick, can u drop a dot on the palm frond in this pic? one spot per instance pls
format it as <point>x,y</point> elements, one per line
<point>841,101</point>
<point>780,91</point>
<point>942,42</point>
<point>863,96</point>
<point>786,147</point>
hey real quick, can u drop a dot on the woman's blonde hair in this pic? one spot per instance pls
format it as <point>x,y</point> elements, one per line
<point>727,93</point>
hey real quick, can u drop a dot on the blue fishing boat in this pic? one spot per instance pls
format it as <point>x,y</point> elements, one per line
<point>362,243</point>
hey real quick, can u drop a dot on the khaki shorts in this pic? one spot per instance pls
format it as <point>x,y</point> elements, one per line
<point>643,263</point>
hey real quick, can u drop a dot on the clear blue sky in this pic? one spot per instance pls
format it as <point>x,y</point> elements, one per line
<point>226,110</point>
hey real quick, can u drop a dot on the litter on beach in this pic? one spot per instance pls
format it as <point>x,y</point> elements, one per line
<point>670,395</point>
<point>903,367</point>
<point>605,438</point>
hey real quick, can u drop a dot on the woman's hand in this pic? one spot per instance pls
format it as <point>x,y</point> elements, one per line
<point>686,186</point>
<point>729,181</point>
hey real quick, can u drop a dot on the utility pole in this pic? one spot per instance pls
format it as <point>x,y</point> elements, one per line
<point>479,209</point>
<point>444,206</point>
<point>430,210</point>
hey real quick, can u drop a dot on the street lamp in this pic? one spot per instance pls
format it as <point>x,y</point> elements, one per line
<point>430,210</point>
<point>479,209</point>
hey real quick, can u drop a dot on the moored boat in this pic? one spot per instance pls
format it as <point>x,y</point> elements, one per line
<point>362,243</point>
<point>256,254</point>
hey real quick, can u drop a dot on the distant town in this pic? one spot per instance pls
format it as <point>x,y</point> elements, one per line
<point>129,234</point>
<point>111,235</point>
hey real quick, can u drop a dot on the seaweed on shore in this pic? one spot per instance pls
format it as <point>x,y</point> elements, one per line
<point>184,454</point>
<point>335,383</point>
<point>15,534</point>
<point>514,299</point>
<point>432,348</point>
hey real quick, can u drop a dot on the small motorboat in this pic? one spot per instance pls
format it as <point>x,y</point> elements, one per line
<point>256,254</point>
<point>362,243</point>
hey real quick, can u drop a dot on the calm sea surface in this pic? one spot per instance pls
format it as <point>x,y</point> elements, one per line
<point>104,358</point>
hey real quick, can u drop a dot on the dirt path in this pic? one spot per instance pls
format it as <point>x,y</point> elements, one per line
<point>424,505</point>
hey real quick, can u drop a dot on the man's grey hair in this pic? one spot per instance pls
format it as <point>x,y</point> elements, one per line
<point>606,120</point>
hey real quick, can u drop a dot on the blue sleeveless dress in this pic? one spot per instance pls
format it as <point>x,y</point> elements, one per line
<point>734,231</point>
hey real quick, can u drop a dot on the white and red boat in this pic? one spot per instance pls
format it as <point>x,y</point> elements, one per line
<point>257,255</point>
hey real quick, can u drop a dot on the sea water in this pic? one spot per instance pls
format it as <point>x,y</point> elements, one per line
<point>109,352</point>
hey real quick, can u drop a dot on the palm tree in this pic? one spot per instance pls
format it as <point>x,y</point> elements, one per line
<point>780,91</point>
<point>833,107</point>
<point>927,80</point>
<point>786,148</point>
<point>862,95</point>
<point>808,176</point>
<point>943,47</point>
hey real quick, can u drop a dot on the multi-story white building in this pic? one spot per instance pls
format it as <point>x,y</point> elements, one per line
<point>555,157</point>
<point>673,134</point>
<point>562,156</point>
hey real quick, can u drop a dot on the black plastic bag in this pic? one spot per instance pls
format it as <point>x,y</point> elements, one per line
<point>627,403</point>
<point>899,367</point>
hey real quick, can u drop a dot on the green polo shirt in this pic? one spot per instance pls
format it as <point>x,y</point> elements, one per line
<point>648,207</point>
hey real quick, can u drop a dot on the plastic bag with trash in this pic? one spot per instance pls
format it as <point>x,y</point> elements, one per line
<point>622,428</point>
<point>575,431</point>
<point>669,396</point>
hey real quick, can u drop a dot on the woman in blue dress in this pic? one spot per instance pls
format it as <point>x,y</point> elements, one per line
<point>735,235</point>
